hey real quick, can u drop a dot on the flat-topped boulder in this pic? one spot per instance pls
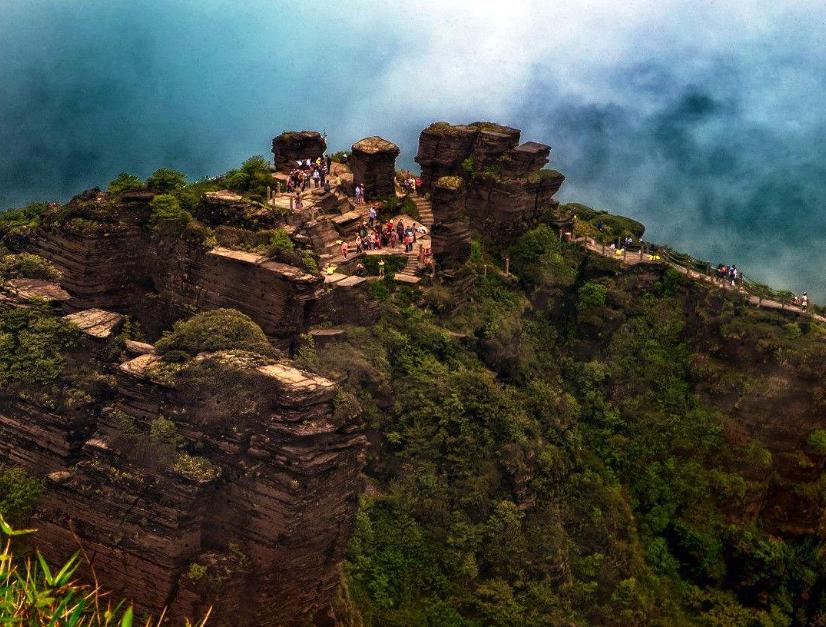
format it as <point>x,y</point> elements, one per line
<point>296,387</point>
<point>29,289</point>
<point>526,158</point>
<point>97,323</point>
<point>351,281</point>
<point>138,366</point>
<point>285,270</point>
<point>292,146</point>
<point>133,347</point>
<point>373,162</point>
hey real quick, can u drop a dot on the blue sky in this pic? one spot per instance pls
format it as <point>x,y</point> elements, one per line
<point>703,120</point>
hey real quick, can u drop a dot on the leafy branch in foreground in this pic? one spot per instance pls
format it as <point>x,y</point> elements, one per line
<point>31,594</point>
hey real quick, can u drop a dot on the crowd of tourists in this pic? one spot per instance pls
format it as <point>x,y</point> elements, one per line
<point>373,235</point>
<point>309,174</point>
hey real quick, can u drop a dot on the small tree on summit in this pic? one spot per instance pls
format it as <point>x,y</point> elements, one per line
<point>125,182</point>
<point>166,180</point>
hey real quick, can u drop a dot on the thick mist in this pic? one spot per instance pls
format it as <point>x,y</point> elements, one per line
<point>706,123</point>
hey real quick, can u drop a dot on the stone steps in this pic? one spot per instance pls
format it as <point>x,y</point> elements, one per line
<point>425,209</point>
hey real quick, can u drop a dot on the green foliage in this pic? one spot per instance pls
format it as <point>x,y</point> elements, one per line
<point>166,181</point>
<point>215,330</point>
<point>392,264</point>
<point>19,493</point>
<point>125,182</point>
<point>194,467</point>
<point>33,593</point>
<point>817,441</point>
<point>28,266</point>
<point>196,572</point>
<point>167,214</point>
<point>586,480</point>
<point>281,248</point>
<point>590,296</point>
<point>252,179</point>
<point>32,347</point>
<point>280,245</point>
<point>16,225</point>
<point>613,226</point>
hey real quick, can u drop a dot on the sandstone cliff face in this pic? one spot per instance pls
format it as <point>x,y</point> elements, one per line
<point>265,512</point>
<point>256,519</point>
<point>291,146</point>
<point>121,265</point>
<point>450,232</point>
<point>507,189</point>
<point>373,162</point>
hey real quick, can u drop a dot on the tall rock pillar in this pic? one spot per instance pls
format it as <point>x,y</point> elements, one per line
<point>291,146</point>
<point>450,234</point>
<point>373,162</point>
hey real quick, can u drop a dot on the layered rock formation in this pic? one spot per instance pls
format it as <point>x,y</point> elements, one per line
<point>253,520</point>
<point>507,189</point>
<point>292,146</point>
<point>373,162</point>
<point>450,233</point>
<point>121,265</point>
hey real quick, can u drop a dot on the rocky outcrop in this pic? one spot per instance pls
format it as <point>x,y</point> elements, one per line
<point>247,512</point>
<point>292,146</point>
<point>506,187</point>
<point>373,162</point>
<point>450,234</point>
<point>226,208</point>
<point>124,267</point>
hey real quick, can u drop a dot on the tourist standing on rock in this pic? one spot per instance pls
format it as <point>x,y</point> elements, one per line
<point>316,179</point>
<point>298,205</point>
<point>804,301</point>
<point>732,274</point>
<point>371,215</point>
<point>400,230</point>
<point>345,248</point>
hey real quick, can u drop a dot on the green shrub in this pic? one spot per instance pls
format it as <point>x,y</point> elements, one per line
<point>125,182</point>
<point>279,245</point>
<point>195,467</point>
<point>590,296</point>
<point>32,347</point>
<point>17,225</point>
<point>196,572</point>
<point>817,442</point>
<point>19,493</point>
<point>252,179</point>
<point>167,213</point>
<point>166,181</point>
<point>163,431</point>
<point>28,266</point>
<point>215,330</point>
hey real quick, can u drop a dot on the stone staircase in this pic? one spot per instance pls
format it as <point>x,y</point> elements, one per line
<point>425,210</point>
